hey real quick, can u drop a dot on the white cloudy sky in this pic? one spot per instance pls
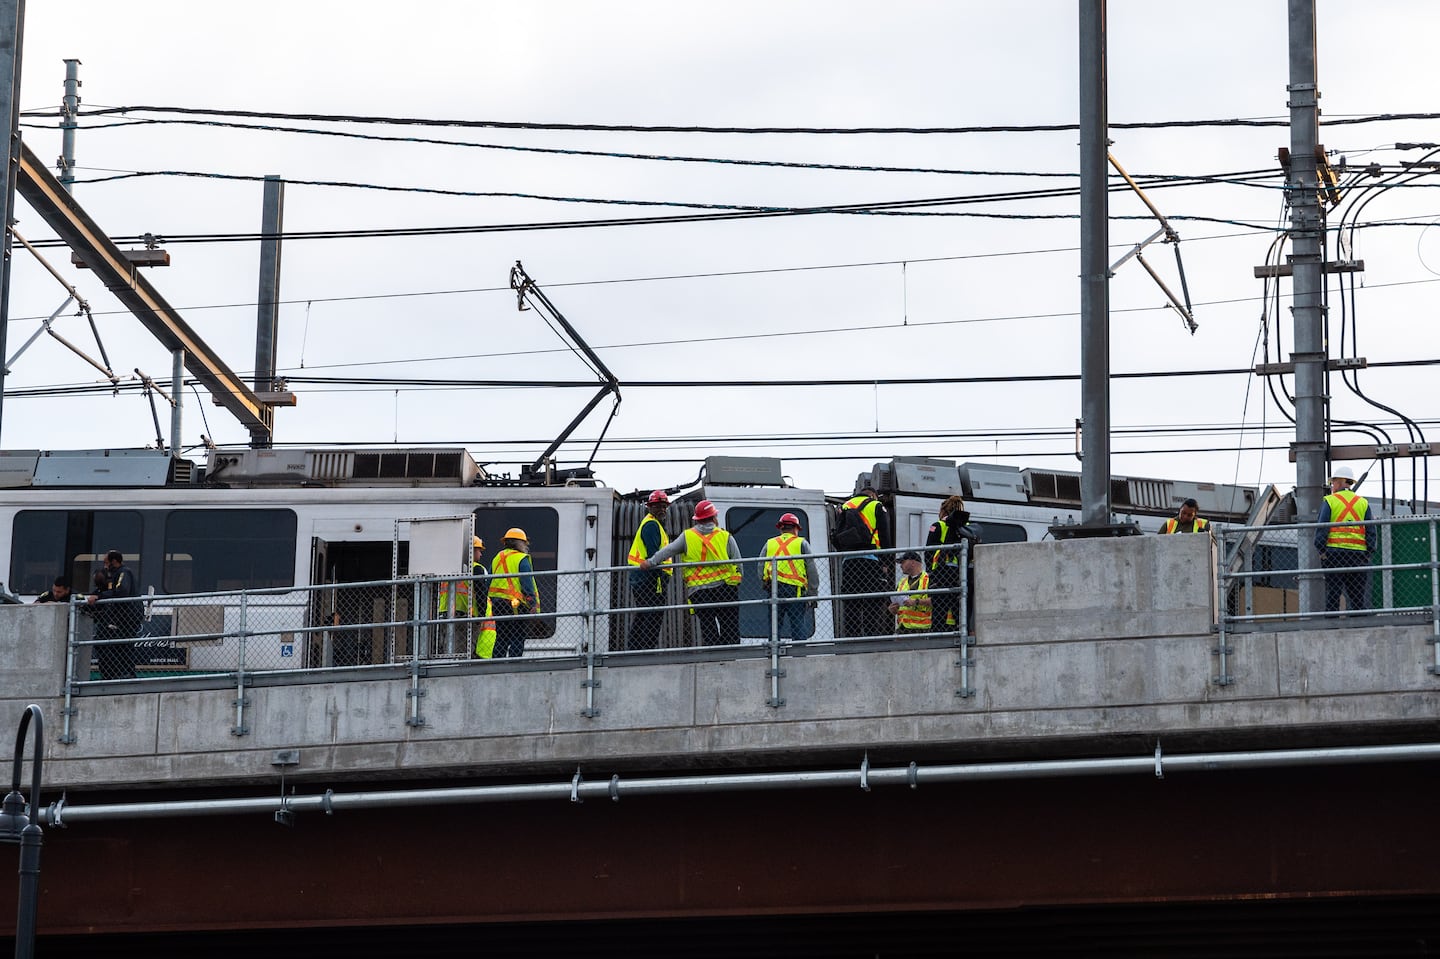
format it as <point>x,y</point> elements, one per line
<point>918,296</point>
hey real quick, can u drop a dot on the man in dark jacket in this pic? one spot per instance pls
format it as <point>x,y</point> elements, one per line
<point>117,619</point>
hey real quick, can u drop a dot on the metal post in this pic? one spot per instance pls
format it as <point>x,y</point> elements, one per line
<point>69,109</point>
<point>72,653</point>
<point>18,827</point>
<point>240,729</point>
<point>1435,594</point>
<point>12,29</point>
<point>591,635</point>
<point>963,621</point>
<point>416,625</point>
<point>1094,269</point>
<point>1222,646</point>
<point>774,672</point>
<point>1307,242</point>
<point>267,319</point>
<point>177,385</point>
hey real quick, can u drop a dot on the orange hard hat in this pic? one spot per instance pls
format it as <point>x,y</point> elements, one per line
<point>516,532</point>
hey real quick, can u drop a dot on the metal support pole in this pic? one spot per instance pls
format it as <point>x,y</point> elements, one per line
<point>267,318</point>
<point>774,673</point>
<point>12,29</point>
<point>1094,269</point>
<point>1222,645</point>
<point>18,827</point>
<point>177,386</point>
<point>965,662</point>
<point>241,701</point>
<point>69,110</point>
<point>1435,595</point>
<point>414,693</point>
<point>591,635</point>
<point>1307,228</point>
<point>72,653</point>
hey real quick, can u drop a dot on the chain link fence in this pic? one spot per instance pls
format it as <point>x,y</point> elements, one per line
<point>895,594</point>
<point>1272,576</point>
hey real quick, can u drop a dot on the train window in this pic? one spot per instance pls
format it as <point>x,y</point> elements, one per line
<point>542,528</point>
<point>47,543</point>
<point>215,550</point>
<point>752,527</point>
<point>1001,533</point>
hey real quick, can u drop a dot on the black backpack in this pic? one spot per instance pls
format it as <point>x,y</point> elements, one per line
<point>850,532</point>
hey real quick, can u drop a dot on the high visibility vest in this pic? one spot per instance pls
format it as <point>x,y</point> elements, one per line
<point>915,616</point>
<point>485,639</point>
<point>945,557</point>
<point>703,548</point>
<point>1173,526</point>
<point>638,551</point>
<point>1346,505</point>
<point>462,591</point>
<point>506,585</point>
<point>867,515</point>
<point>791,569</point>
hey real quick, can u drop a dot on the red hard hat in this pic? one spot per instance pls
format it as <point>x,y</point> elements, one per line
<point>659,497</point>
<point>789,519</point>
<point>704,510</point>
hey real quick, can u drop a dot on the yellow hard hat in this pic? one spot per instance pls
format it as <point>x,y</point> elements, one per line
<point>477,543</point>
<point>516,532</point>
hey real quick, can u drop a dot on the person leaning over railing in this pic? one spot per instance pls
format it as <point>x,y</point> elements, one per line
<point>1187,520</point>
<point>1345,545</point>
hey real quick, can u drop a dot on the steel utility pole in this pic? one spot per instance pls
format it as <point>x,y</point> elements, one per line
<point>69,110</point>
<point>1308,262</point>
<point>1094,269</point>
<point>12,28</point>
<point>267,319</point>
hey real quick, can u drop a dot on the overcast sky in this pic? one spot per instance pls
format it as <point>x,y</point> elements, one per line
<point>812,297</point>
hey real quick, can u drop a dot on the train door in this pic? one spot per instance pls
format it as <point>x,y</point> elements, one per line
<point>334,564</point>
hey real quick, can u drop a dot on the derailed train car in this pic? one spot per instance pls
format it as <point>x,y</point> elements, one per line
<point>305,525</point>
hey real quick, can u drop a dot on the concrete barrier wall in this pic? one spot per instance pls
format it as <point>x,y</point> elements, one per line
<point>1111,667</point>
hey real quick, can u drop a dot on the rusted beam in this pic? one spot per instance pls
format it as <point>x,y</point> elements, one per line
<point>45,194</point>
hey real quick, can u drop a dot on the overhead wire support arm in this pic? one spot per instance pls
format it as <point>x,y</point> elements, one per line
<point>527,292</point>
<point>1185,310</point>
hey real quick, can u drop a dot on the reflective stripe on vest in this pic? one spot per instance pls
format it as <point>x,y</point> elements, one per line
<point>1196,525</point>
<point>507,561</point>
<point>867,515</point>
<point>702,548</point>
<point>462,591</point>
<point>1346,505</point>
<point>637,548</point>
<point>947,557</point>
<point>918,615</point>
<point>790,570</point>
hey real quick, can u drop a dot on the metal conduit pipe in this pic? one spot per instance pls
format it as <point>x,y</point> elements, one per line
<point>577,789</point>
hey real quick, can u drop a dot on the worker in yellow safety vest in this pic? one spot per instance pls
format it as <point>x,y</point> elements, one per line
<point>789,575</point>
<point>1345,546</point>
<point>1186,521</point>
<point>647,586</point>
<point>512,593</point>
<point>911,606</point>
<point>712,574</point>
<point>864,570</point>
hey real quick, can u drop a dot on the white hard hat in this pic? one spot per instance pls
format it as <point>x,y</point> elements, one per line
<point>1343,472</point>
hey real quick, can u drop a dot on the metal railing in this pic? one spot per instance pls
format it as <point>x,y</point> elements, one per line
<point>1260,574</point>
<point>424,622</point>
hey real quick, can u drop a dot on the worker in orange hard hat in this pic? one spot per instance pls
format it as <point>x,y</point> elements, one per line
<point>789,565</point>
<point>647,586</point>
<point>512,593</point>
<point>711,572</point>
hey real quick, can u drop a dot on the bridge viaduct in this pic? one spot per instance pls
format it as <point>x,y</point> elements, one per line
<point>1082,783</point>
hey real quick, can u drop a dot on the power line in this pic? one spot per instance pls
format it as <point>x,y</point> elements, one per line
<point>1258,122</point>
